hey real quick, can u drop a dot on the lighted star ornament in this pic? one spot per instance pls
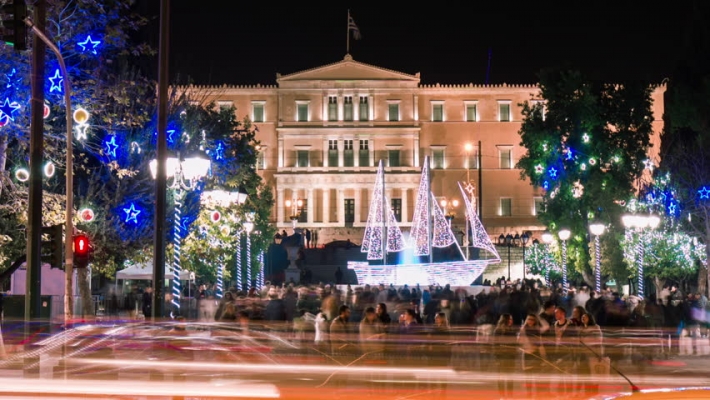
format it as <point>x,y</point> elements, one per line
<point>131,214</point>
<point>539,169</point>
<point>704,193</point>
<point>6,110</point>
<point>56,82</point>
<point>111,146</point>
<point>89,45</point>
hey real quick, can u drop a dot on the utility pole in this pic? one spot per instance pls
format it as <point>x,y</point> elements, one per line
<point>34,213</point>
<point>162,156</point>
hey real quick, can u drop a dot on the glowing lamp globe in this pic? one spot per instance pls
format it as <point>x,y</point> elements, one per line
<point>49,169</point>
<point>81,116</point>
<point>46,112</point>
<point>224,230</point>
<point>22,175</point>
<point>564,234</point>
<point>653,221</point>
<point>547,237</point>
<point>86,214</point>
<point>596,229</point>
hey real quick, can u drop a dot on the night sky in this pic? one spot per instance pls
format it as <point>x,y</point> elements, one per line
<point>239,42</point>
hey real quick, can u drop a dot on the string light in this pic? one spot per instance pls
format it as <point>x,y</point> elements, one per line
<point>111,146</point>
<point>639,265</point>
<point>479,237</point>
<point>131,214</point>
<point>442,237</point>
<point>704,193</point>
<point>374,230</point>
<point>420,221</point>
<point>220,278</point>
<point>598,261</point>
<point>176,255</point>
<point>260,277</point>
<point>238,255</point>
<point>248,259</point>
<point>395,239</point>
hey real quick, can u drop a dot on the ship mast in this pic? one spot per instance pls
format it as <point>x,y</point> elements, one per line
<point>385,210</point>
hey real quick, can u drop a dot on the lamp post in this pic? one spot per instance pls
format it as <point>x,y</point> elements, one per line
<point>225,199</point>
<point>295,206</point>
<point>638,223</point>
<point>509,242</point>
<point>524,240</point>
<point>547,239</point>
<point>597,230</point>
<point>564,234</point>
<point>186,174</point>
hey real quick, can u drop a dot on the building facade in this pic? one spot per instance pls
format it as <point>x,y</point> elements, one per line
<point>324,130</point>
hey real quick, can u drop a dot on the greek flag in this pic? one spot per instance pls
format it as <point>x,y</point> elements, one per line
<point>352,27</point>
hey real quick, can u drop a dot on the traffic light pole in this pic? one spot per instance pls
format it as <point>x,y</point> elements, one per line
<point>34,214</point>
<point>41,38</point>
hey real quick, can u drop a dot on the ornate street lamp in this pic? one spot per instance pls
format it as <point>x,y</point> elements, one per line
<point>639,223</point>
<point>597,230</point>
<point>524,240</point>
<point>295,205</point>
<point>509,242</point>
<point>564,234</point>
<point>449,209</point>
<point>186,174</point>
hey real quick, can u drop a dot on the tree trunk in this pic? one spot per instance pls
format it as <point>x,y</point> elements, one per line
<point>703,280</point>
<point>3,160</point>
<point>82,280</point>
<point>659,286</point>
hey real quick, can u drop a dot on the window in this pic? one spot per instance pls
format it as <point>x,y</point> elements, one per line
<point>540,106</point>
<point>332,108</point>
<point>302,160</point>
<point>397,209</point>
<point>349,211</point>
<point>261,158</point>
<point>364,109</point>
<point>505,207</point>
<point>348,154</point>
<point>302,111</point>
<point>471,112</point>
<point>303,211</point>
<point>333,153</point>
<point>437,111</point>
<point>257,111</point>
<point>393,111</point>
<point>393,157</point>
<point>348,108</point>
<point>506,157</point>
<point>364,153</point>
<point>224,105</point>
<point>504,111</point>
<point>539,205</point>
<point>437,158</point>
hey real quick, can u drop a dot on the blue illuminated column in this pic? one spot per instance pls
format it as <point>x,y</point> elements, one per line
<point>186,174</point>
<point>597,230</point>
<point>564,234</point>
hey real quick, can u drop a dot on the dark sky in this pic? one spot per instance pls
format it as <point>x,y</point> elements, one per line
<point>238,42</point>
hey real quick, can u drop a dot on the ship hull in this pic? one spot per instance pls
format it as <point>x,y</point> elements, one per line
<point>454,273</point>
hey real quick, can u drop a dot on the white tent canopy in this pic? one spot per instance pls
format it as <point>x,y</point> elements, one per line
<point>144,271</point>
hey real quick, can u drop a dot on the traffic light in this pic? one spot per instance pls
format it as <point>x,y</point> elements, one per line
<point>13,28</point>
<point>82,250</point>
<point>52,245</point>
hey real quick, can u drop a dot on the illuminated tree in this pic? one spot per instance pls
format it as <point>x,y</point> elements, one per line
<point>586,145</point>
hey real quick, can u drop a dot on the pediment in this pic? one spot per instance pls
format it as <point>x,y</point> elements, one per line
<point>348,70</point>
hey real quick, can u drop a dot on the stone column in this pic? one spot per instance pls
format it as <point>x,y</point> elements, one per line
<point>405,205</point>
<point>356,151</point>
<point>416,152</point>
<point>415,107</point>
<point>371,149</point>
<point>324,111</point>
<point>309,205</point>
<point>341,207</point>
<point>325,151</point>
<point>341,146</point>
<point>326,205</point>
<point>280,151</point>
<point>280,212</point>
<point>371,105</point>
<point>356,107</point>
<point>341,110</point>
<point>357,196</point>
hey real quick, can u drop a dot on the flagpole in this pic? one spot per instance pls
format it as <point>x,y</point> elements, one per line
<point>347,31</point>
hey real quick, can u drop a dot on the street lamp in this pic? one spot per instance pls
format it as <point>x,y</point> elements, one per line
<point>564,234</point>
<point>547,239</point>
<point>597,230</point>
<point>225,199</point>
<point>295,205</point>
<point>449,206</point>
<point>186,174</point>
<point>524,239</point>
<point>639,223</point>
<point>509,242</point>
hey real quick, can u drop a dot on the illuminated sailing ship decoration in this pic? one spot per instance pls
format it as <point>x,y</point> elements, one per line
<point>429,229</point>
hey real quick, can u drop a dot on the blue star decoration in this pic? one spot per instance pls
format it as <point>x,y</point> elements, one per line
<point>569,154</point>
<point>111,146</point>
<point>546,185</point>
<point>219,152</point>
<point>553,172</point>
<point>171,132</point>
<point>704,193</point>
<point>672,209</point>
<point>6,110</point>
<point>11,78</point>
<point>89,45</point>
<point>131,214</point>
<point>56,82</point>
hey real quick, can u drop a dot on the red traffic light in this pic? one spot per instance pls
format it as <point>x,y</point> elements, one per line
<point>81,245</point>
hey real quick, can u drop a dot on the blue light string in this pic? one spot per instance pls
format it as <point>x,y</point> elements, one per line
<point>249,266</point>
<point>598,269</point>
<point>565,285</point>
<point>238,255</point>
<point>260,277</point>
<point>176,255</point>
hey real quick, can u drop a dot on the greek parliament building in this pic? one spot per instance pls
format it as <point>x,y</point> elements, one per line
<point>324,130</point>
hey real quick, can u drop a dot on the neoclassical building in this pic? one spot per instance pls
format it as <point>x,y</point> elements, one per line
<point>324,130</point>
